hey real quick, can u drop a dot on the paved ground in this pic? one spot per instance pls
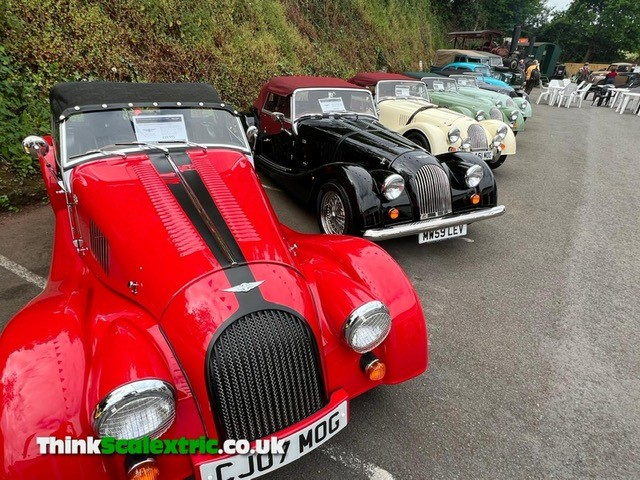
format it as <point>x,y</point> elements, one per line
<point>533,322</point>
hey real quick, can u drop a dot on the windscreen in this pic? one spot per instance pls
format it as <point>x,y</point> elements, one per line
<point>97,132</point>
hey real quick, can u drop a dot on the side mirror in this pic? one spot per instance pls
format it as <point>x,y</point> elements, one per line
<point>278,117</point>
<point>35,146</point>
<point>252,136</point>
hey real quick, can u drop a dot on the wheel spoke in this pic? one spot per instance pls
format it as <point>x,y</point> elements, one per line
<point>332,213</point>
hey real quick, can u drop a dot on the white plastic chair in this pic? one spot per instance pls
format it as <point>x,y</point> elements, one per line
<point>544,92</point>
<point>566,93</point>
<point>578,95</point>
<point>615,95</point>
<point>549,91</point>
<point>566,81</point>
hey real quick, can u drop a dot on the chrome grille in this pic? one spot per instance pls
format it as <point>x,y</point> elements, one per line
<point>495,113</point>
<point>478,136</point>
<point>99,246</point>
<point>510,103</point>
<point>264,375</point>
<point>433,191</point>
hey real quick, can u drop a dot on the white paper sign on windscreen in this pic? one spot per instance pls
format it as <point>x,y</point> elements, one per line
<point>160,128</point>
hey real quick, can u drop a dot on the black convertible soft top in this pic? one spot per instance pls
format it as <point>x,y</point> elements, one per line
<point>87,96</point>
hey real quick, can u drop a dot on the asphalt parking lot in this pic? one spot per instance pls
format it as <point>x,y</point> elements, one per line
<point>533,321</point>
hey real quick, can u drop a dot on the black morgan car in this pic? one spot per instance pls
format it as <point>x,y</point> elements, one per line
<point>320,139</point>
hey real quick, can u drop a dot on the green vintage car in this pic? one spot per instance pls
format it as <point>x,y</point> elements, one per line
<point>444,92</point>
<point>470,85</point>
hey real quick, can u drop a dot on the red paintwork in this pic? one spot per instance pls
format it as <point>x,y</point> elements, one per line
<point>87,333</point>
<point>285,86</point>
<point>364,79</point>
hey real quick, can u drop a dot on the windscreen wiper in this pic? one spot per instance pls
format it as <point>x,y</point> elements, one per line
<point>99,150</point>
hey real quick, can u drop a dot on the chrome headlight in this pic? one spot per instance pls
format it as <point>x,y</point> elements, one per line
<point>499,104</point>
<point>367,326</point>
<point>524,105</point>
<point>480,115</point>
<point>466,144</point>
<point>135,410</point>
<point>502,131</point>
<point>393,186</point>
<point>514,115</point>
<point>473,176</point>
<point>453,135</point>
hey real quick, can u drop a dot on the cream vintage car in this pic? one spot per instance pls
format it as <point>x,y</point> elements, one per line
<point>404,106</point>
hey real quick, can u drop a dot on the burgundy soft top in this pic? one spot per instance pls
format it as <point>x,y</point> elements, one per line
<point>286,85</point>
<point>364,79</point>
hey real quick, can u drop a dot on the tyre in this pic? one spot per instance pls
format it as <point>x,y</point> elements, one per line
<point>335,213</point>
<point>420,140</point>
<point>496,163</point>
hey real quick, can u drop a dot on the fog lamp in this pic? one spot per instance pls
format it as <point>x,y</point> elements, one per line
<point>394,213</point>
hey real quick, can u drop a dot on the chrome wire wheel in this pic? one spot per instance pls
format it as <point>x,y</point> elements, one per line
<point>332,213</point>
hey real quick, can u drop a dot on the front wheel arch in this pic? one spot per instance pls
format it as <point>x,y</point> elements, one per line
<point>419,139</point>
<point>496,163</point>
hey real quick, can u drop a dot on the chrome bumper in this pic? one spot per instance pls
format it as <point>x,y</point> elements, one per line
<point>414,228</point>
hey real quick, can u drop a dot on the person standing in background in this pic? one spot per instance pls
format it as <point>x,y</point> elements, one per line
<point>585,73</point>
<point>532,76</point>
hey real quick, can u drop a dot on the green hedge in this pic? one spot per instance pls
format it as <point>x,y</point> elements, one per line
<point>234,44</point>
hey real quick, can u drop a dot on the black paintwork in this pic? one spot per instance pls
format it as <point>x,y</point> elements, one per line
<point>359,153</point>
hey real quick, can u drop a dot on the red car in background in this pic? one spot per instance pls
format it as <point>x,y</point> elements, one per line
<point>177,305</point>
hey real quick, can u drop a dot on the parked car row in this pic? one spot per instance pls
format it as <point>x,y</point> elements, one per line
<point>178,306</point>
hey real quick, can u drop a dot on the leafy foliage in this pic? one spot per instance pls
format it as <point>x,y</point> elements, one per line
<point>500,15</point>
<point>596,30</point>
<point>19,115</point>
<point>234,44</point>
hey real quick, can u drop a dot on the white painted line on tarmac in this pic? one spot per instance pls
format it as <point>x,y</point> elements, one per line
<point>468,240</point>
<point>349,460</point>
<point>269,187</point>
<point>22,272</point>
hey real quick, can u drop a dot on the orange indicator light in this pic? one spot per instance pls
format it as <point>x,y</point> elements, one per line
<point>376,370</point>
<point>144,471</point>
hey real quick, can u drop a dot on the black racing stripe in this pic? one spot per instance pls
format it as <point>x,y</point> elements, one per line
<point>204,197</point>
<point>163,167</point>
<point>183,199</point>
<point>236,274</point>
<point>240,273</point>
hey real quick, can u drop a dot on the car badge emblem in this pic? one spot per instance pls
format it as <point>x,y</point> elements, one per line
<point>244,287</point>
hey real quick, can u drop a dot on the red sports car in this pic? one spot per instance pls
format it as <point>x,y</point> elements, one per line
<point>179,313</point>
